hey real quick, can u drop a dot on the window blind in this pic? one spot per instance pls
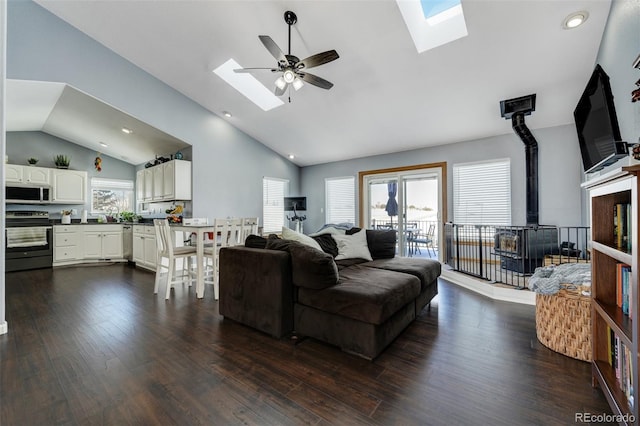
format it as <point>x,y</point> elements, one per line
<point>273,193</point>
<point>482,193</point>
<point>340,204</point>
<point>111,183</point>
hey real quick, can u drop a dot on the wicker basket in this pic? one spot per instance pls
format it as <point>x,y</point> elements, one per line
<point>563,322</point>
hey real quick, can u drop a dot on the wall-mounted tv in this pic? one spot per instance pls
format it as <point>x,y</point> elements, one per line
<point>597,124</point>
<point>300,204</point>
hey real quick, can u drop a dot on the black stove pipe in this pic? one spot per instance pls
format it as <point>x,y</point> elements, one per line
<point>531,160</point>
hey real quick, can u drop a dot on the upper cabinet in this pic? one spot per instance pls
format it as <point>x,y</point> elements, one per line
<point>69,186</point>
<point>164,182</point>
<point>27,175</point>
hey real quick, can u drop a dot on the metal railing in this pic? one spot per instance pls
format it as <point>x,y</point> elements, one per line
<point>510,254</point>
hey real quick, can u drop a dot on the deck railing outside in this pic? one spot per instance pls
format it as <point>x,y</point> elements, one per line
<point>510,254</point>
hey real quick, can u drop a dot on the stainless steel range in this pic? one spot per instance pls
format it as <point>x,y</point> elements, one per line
<point>28,241</point>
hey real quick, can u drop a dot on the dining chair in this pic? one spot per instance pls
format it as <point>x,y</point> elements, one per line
<point>228,232</point>
<point>249,227</point>
<point>427,241</point>
<point>166,249</point>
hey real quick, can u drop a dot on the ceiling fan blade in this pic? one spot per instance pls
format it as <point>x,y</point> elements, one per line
<point>315,80</point>
<point>273,48</point>
<point>318,59</point>
<point>279,91</point>
<point>254,69</point>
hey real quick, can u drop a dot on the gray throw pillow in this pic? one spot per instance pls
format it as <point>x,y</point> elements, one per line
<point>310,267</point>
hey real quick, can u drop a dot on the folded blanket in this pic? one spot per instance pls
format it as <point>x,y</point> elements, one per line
<point>550,279</point>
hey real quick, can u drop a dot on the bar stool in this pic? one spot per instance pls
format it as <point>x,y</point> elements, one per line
<point>166,249</point>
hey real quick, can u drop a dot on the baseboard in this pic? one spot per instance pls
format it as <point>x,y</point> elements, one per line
<point>489,290</point>
<point>4,328</point>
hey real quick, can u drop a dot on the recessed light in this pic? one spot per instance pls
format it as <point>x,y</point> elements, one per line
<point>102,144</point>
<point>291,156</point>
<point>127,131</point>
<point>575,20</point>
<point>227,114</point>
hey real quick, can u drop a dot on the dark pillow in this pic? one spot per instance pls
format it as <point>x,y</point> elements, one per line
<point>352,231</point>
<point>327,243</point>
<point>255,241</point>
<point>382,243</point>
<point>310,267</point>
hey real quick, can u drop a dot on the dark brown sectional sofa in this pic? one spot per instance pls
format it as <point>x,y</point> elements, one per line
<point>358,305</point>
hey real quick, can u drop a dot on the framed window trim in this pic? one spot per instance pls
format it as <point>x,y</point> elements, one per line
<point>121,189</point>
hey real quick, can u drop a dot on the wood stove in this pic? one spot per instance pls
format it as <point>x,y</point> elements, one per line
<point>522,248</point>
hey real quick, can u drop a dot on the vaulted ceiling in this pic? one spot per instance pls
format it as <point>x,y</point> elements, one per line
<point>387,97</point>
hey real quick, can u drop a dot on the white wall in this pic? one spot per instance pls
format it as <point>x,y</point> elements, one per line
<point>228,165</point>
<point>560,172</point>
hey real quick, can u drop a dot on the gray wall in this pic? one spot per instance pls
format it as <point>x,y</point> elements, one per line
<point>620,46</point>
<point>559,180</point>
<point>3,22</point>
<point>228,165</point>
<point>22,145</point>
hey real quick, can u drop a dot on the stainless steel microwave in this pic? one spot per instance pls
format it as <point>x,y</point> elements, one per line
<point>18,194</point>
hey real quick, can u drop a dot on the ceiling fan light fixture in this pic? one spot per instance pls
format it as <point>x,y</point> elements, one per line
<point>280,83</point>
<point>297,84</point>
<point>289,76</point>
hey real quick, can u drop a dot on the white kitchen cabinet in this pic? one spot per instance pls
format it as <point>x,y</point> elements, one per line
<point>144,246</point>
<point>13,173</point>
<point>67,244</point>
<point>69,186</point>
<point>164,182</point>
<point>103,242</point>
<point>148,184</point>
<point>16,173</point>
<point>140,186</point>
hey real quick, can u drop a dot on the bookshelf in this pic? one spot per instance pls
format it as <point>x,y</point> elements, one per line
<point>614,264</point>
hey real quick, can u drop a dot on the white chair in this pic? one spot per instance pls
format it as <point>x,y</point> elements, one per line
<point>249,226</point>
<point>228,232</point>
<point>166,249</point>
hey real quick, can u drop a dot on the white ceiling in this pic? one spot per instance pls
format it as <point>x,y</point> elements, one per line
<point>386,97</point>
<point>65,112</point>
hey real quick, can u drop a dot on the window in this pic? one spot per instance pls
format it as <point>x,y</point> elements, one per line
<point>482,193</point>
<point>273,193</point>
<point>340,196</point>
<point>110,196</point>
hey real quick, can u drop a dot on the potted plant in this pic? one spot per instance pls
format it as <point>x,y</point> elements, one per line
<point>32,161</point>
<point>62,161</point>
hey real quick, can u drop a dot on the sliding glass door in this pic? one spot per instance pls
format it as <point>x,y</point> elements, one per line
<point>408,201</point>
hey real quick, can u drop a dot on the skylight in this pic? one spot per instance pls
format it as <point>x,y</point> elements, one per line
<point>248,85</point>
<point>433,23</point>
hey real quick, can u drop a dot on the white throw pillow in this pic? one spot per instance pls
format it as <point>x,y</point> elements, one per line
<point>290,234</point>
<point>352,246</point>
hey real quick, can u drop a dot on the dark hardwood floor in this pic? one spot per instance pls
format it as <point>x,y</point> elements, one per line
<point>93,345</point>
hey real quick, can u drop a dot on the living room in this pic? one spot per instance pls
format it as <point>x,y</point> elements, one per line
<point>229,164</point>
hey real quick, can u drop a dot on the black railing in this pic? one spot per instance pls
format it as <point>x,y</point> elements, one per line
<point>509,254</point>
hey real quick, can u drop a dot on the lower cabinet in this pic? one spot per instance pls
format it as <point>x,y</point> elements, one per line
<point>74,244</point>
<point>144,246</point>
<point>103,242</point>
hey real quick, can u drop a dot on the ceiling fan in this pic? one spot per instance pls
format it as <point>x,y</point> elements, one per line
<point>293,69</point>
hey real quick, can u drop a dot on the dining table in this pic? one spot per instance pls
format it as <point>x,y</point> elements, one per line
<point>200,231</point>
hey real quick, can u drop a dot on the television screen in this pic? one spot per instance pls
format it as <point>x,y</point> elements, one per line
<point>300,203</point>
<point>597,124</point>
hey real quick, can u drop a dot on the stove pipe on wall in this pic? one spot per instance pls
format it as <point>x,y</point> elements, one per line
<point>516,109</point>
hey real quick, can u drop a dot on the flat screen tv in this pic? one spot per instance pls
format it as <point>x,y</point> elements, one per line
<point>597,124</point>
<point>300,203</point>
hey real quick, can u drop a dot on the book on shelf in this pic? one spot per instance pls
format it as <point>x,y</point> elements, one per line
<point>623,288</point>
<point>620,361</point>
<point>622,224</point>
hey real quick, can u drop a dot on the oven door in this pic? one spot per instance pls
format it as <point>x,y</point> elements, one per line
<point>28,247</point>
